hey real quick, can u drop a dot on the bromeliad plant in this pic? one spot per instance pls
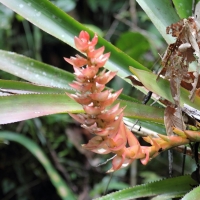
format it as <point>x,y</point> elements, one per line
<point>101,113</point>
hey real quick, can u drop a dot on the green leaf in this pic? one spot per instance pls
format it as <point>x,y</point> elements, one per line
<point>19,87</point>
<point>95,29</point>
<point>142,112</point>
<point>192,195</point>
<point>60,185</point>
<point>162,87</point>
<point>66,5</point>
<point>20,107</point>
<point>16,108</point>
<point>153,127</point>
<point>55,80</point>
<point>172,187</point>
<point>34,71</point>
<point>162,14</point>
<point>183,8</point>
<point>60,25</point>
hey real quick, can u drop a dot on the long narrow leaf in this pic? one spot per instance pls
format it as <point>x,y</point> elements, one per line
<point>183,7</point>
<point>146,126</point>
<point>34,71</point>
<point>17,107</point>
<point>162,87</point>
<point>19,87</point>
<point>142,112</point>
<point>172,187</point>
<point>162,14</point>
<point>61,187</point>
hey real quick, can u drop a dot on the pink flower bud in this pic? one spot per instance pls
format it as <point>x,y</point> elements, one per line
<point>110,115</point>
<point>84,99</point>
<point>82,87</point>
<point>89,72</point>
<point>77,61</point>
<point>104,78</point>
<point>100,62</point>
<point>100,96</point>
<point>96,53</point>
<point>92,110</point>
<point>111,98</point>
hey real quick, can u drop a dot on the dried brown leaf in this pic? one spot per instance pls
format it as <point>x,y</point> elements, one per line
<point>175,64</point>
<point>169,111</point>
<point>188,80</point>
<point>135,81</point>
<point>173,118</point>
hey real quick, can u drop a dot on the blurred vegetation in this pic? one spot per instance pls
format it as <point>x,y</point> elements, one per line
<point>22,177</point>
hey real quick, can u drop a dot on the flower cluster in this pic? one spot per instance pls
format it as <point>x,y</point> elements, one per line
<point>102,120</point>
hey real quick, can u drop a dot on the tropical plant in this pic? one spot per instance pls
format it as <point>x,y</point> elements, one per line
<point>48,91</point>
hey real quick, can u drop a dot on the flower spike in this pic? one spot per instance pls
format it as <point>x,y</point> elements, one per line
<point>111,134</point>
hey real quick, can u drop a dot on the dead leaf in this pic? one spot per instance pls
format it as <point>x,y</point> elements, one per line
<point>135,81</point>
<point>173,118</point>
<point>180,54</point>
<point>188,80</point>
<point>175,64</point>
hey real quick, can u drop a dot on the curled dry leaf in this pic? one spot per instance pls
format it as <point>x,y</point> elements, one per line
<point>135,81</point>
<point>173,118</point>
<point>188,80</point>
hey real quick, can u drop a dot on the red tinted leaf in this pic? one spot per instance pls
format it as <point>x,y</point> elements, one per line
<point>16,108</point>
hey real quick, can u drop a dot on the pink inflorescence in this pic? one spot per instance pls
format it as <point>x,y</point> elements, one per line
<point>111,134</point>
